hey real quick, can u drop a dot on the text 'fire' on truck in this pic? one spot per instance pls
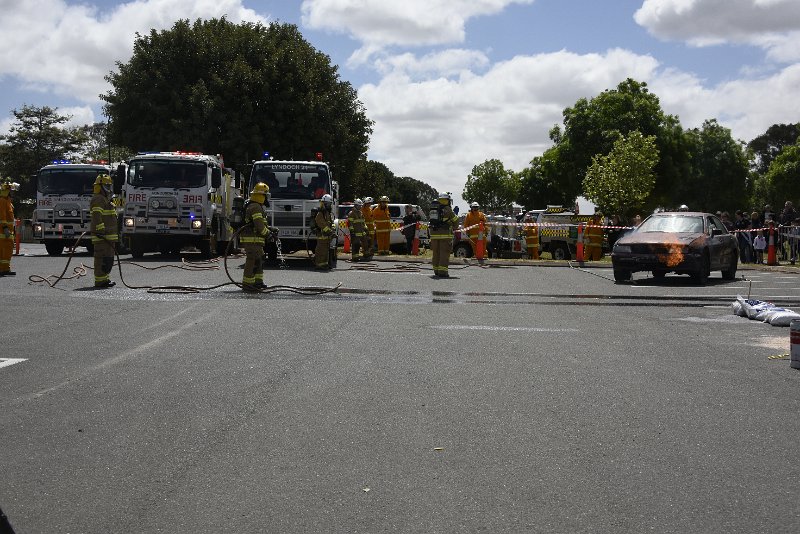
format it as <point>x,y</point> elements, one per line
<point>295,188</point>
<point>63,193</point>
<point>175,200</point>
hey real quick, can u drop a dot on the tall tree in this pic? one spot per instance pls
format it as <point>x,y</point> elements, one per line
<point>539,185</point>
<point>621,181</point>
<point>492,186</point>
<point>768,145</point>
<point>238,90</point>
<point>719,169</point>
<point>37,136</point>
<point>592,126</point>
<point>97,146</point>
<point>783,177</point>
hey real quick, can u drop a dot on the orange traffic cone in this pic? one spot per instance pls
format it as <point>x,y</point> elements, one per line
<point>579,255</point>
<point>772,257</point>
<point>346,249</point>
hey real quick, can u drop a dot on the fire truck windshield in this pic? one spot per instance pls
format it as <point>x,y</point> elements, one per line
<point>65,181</point>
<point>293,180</point>
<point>161,173</point>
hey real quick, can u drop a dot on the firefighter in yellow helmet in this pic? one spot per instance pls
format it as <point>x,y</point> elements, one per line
<point>383,225</point>
<point>253,237</point>
<point>369,224</point>
<point>594,236</point>
<point>443,221</point>
<point>358,231</point>
<point>474,219</point>
<point>324,230</point>
<point>103,228</point>
<point>7,234</point>
<point>531,232</point>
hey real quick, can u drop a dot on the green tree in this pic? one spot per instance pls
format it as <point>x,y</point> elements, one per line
<point>783,177</point>
<point>592,126</point>
<point>719,169</point>
<point>539,185</point>
<point>238,90</point>
<point>492,186</point>
<point>768,145</point>
<point>97,146</point>
<point>374,179</point>
<point>37,136</point>
<point>621,181</point>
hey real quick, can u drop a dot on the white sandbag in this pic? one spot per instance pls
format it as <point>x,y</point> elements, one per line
<point>783,318</point>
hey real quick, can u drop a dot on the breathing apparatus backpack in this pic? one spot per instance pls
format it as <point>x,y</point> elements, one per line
<point>435,215</point>
<point>237,212</point>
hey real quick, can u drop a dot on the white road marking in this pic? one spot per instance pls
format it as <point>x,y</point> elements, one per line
<point>501,328</point>
<point>5,362</point>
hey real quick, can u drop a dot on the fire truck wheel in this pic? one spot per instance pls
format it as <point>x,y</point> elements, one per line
<point>462,250</point>
<point>561,252</point>
<point>54,248</point>
<point>137,251</point>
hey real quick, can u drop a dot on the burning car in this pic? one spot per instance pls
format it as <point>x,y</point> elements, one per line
<point>690,243</point>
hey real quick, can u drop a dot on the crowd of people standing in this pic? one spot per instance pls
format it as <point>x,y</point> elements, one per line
<point>752,231</point>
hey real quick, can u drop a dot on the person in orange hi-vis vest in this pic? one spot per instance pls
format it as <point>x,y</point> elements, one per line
<point>383,225</point>
<point>6,227</point>
<point>531,233</point>
<point>369,226</point>
<point>474,218</point>
<point>594,235</point>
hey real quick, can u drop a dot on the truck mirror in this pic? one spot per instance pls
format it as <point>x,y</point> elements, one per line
<point>216,177</point>
<point>119,179</point>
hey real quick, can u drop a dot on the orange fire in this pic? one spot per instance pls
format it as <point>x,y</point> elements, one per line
<point>674,255</point>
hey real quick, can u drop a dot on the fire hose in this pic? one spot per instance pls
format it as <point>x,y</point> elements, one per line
<point>190,266</point>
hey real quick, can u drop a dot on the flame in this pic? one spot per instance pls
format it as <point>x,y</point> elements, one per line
<point>674,255</point>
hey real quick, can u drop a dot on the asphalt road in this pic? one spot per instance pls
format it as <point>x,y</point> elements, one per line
<point>510,398</point>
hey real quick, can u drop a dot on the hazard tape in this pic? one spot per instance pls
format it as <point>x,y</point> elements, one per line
<point>779,357</point>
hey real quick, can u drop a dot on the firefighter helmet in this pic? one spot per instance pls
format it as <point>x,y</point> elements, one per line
<point>327,200</point>
<point>367,200</point>
<point>103,182</point>
<point>7,186</point>
<point>384,198</point>
<point>445,198</point>
<point>358,202</point>
<point>474,206</point>
<point>259,193</point>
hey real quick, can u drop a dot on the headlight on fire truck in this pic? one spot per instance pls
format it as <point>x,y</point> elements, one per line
<point>128,222</point>
<point>37,229</point>
<point>197,223</point>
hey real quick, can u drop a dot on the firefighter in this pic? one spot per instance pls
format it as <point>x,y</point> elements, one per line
<point>324,231</point>
<point>442,224</point>
<point>253,237</point>
<point>383,225</point>
<point>594,236</point>
<point>369,224</point>
<point>104,232</point>
<point>358,231</point>
<point>531,232</point>
<point>474,217</point>
<point>7,233</point>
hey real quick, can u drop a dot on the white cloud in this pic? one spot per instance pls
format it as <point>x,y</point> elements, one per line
<point>445,63</point>
<point>771,24</point>
<point>436,130</point>
<point>70,48</point>
<point>378,23</point>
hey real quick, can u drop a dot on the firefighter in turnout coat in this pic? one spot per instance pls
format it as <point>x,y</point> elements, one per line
<point>324,224</point>
<point>253,237</point>
<point>103,228</point>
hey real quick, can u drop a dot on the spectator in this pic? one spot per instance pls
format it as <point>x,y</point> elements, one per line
<point>726,220</point>
<point>786,219</point>
<point>740,226</point>
<point>794,240</point>
<point>760,245</point>
<point>637,220</point>
<point>410,221</point>
<point>756,224</point>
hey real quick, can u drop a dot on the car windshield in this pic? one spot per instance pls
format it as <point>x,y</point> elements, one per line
<point>672,223</point>
<point>161,173</point>
<point>67,181</point>
<point>293,180</point>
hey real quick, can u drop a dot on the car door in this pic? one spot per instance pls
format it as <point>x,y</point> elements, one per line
<point>721,243</point>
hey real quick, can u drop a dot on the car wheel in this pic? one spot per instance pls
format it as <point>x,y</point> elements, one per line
<point>701,276</point>
<point>730,272</point>
<point>659,274</point>
<point>621,275</point>
<point>561,252</point>
<point>137,251</point>
<point>462,250</point>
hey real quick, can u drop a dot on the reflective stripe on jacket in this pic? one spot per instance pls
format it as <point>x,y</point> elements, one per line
<point>104,220</point>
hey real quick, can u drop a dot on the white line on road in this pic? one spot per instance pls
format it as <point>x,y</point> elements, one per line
<point>501,328</point>
<point>5,362</point>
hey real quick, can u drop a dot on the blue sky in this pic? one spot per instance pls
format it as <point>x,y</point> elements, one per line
<point>451,83</point>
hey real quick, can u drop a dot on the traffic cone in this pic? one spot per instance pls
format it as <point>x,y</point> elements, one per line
<point>579,254</point>
<point>346,249</point>
<point>772,258</point>
<point>480,253</point>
